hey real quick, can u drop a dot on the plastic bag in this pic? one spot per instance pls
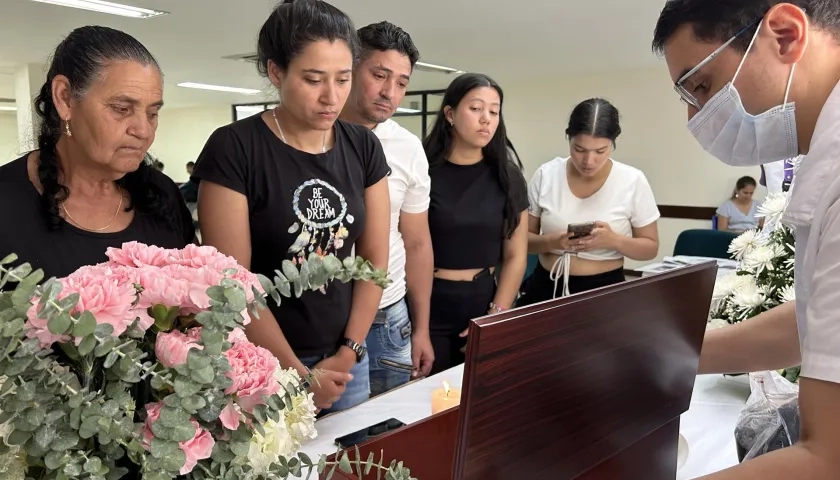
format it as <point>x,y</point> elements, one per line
<point>770,420</point>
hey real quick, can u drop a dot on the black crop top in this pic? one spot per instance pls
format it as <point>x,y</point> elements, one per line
<point>299,203</point>
<point>466,214</point>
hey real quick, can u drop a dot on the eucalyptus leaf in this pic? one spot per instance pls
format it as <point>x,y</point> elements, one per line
<point>59,323</point>
<point>85,325</point>
<point>86,346</point>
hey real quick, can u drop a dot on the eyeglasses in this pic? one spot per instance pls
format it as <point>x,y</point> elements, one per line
<point>687,97</point>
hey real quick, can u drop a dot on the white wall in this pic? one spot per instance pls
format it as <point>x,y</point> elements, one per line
<point>182,133</point>
<point>8,137</point>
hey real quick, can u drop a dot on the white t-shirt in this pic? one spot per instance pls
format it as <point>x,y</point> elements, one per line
<point>814,212</point>
<point>624,201</point>
<point>409,186</point>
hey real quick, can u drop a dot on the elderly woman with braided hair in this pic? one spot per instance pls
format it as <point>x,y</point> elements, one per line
<point>86,187</point>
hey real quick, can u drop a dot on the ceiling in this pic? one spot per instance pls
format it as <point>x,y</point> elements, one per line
<point>506,39</point>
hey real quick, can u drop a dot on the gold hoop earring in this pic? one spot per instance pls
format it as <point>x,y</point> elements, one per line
<point>67,128</point>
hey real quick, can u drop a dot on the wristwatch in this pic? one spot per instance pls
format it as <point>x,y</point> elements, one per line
<point>359,350</point>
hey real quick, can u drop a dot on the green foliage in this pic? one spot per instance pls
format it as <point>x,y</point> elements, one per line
<point>71,413</point>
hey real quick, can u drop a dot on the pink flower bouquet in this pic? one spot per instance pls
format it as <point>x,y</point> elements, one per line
<point>140,365</point>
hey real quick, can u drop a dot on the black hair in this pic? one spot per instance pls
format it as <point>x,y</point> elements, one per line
<point>384,36</point>
<point>596,117</point>
<point>438,144</point>
<point>190,164</point>
<point>716,21</point>
<point>294,24</point>
<point>743,183</point>
<point>80,58</point>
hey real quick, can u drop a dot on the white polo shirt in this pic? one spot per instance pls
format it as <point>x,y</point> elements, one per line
<point>814,212</point>
<point>409,185</point>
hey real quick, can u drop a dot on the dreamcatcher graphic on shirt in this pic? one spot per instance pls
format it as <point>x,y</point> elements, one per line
<point>321,211</point>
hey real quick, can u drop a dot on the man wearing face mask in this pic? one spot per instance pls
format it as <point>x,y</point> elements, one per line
<point>760,79</point>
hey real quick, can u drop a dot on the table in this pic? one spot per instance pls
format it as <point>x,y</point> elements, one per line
<point>725,266</point>
<point>708,425</point>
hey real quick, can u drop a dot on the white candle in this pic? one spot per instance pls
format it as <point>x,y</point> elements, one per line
<point>445,398</point>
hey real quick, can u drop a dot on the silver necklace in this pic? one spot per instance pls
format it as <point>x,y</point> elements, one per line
<point>283,137</point>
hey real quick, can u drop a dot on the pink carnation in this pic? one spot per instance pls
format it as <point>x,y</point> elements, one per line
<point>230,416</point>
<point>135,254</point>
<point>198,448</point>
<point>171,349</point>
<point>108,297</point>
<point>252,371</point>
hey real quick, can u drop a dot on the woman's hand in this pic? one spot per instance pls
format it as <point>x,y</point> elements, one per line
<point>328,386</point>
<point>564,241</point>
<point>602,237</point>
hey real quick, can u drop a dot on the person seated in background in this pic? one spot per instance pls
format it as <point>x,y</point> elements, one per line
<point>87,187</point>
<point>612,203</point>
<point>737,214</point>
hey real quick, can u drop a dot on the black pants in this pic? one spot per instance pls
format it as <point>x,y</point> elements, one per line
<point>539,287</point>
<point>453,305</point>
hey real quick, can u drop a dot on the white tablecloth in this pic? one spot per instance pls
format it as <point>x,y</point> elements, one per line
<point>707,426</point>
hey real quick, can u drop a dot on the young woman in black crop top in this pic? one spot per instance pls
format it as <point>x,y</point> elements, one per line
<point>296,180</point>
<point>477,215</point>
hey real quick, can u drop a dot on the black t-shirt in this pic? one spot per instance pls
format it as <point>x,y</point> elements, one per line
<point>61,252</point>
<point>299,203</point>
<point>466,213</point>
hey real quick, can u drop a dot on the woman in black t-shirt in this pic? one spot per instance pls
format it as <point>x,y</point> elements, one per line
<point>296,180</point>
<point>477,215</point>
<point>87,187</point>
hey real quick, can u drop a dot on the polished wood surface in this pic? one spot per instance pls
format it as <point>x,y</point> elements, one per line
<point>426,447</point>
<point>588,387</point>
<point>562,389</point>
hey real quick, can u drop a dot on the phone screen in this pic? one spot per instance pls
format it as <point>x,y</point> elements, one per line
<point>365,434</point>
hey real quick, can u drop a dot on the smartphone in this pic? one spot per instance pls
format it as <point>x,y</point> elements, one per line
<point>580,229</point>
<point>365,434</point>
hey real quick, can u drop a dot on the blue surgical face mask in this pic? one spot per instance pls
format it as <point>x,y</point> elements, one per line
<point>725,129</point>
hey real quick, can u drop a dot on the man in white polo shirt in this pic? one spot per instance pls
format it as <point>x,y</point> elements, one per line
<point>398,345</point>
<point>761,79</point>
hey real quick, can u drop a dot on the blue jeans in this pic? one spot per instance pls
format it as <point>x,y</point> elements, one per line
<point>358,389</point>
<point>389,348</point>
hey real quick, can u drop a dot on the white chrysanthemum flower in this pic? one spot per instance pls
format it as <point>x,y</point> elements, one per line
<point>773,208</point>
<point>266,449</point>
<point>744,243</point>
<point>300,420</point>
<point>749,296</point>
<point>716,323</point>
<point>788,294</point>
<point>761,258</point>
<point>726,285</point>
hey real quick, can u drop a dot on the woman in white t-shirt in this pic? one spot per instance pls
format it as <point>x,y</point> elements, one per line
<point>614,199</point>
